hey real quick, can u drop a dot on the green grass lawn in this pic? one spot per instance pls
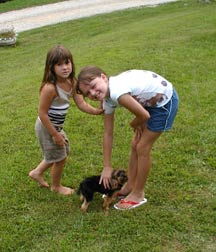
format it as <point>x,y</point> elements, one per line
<point>176,40</point>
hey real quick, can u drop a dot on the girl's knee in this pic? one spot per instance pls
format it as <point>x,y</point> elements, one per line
<point>133,145</point>
<point>143,150</point>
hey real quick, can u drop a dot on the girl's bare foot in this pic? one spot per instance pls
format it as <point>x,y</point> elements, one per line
<point>131,201</point>
<point>38,177</point>
<point>62,190</point>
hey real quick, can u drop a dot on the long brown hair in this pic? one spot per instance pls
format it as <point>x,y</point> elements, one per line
<point>55,55</point>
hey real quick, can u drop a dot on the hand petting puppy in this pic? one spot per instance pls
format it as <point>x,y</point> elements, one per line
<point>90,185</point>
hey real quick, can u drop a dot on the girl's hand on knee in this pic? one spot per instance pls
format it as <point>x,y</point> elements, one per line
<point>137,136</point>
<point>138,133</point>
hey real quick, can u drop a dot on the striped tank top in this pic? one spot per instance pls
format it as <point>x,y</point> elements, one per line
<point>59,107</point>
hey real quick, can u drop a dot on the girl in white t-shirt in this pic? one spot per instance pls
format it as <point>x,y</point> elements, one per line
<point>154,103</point>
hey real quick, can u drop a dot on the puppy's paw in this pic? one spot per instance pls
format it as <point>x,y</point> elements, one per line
<point>81,197</point>
<point>84,206</point>
<point>106,203</point>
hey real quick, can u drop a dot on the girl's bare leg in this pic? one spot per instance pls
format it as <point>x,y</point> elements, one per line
<point>37,173</point>
<point>56,174</point>
<point>132,169</point>
<point>143,168</point>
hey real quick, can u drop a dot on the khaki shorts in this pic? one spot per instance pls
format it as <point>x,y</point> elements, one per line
<point>52,152</point>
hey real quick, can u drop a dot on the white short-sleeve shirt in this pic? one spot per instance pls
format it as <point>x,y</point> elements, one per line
<point>140,84</point>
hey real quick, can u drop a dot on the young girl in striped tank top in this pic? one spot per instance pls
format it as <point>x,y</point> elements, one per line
<point>56,89</point>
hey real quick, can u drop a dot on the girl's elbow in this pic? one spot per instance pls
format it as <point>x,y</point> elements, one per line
<point>144,117</point>
<point>148,116</point>
<point>42,115</point>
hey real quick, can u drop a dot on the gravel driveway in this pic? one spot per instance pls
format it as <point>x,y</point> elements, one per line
<point>30,18</point>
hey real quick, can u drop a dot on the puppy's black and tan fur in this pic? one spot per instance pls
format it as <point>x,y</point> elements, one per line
<point>90,185</point>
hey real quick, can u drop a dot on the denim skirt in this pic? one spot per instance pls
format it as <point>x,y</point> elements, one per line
<point>162,118</point>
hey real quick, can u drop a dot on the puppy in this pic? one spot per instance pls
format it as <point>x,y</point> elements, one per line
<point>90,185</point>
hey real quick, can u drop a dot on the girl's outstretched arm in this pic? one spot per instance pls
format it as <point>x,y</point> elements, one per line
<point>107,149</point>
<point>86,107</point>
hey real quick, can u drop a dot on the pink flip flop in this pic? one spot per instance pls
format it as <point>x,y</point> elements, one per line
<point>131,203</point>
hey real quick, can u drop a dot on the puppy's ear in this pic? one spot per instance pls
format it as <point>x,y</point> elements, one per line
<point>121,173</point>
<point>115,174</point>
